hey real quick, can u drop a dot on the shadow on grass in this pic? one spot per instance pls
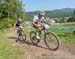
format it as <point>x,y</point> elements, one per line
<point>13,37</point>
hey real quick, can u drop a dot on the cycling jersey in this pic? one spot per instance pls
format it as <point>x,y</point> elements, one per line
<point>36,19</point>
<point>19,22</point>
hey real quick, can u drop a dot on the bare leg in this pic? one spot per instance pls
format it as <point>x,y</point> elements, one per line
<point>38,32</point>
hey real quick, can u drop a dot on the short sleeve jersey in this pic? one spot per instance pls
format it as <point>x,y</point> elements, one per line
<point>36,19</point>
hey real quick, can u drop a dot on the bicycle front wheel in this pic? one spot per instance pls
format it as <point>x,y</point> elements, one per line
<point>51,41</point>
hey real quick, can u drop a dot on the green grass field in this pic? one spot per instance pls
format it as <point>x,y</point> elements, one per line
<point>65,35</point>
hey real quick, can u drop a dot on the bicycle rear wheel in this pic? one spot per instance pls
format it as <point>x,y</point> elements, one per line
<point>51,41</point>
<point>21,36</point>
<point>33,38</point>
<point>24,37</point>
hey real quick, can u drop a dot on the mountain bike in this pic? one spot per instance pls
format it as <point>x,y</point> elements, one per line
<point>21,35</point>
<point>51,39</point>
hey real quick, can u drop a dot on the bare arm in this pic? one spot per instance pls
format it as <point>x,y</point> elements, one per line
<point>33,22</point>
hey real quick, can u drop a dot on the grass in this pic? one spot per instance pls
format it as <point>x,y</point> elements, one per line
<point>66,36</point>
<point>63,26</point>
<point>7,51</point>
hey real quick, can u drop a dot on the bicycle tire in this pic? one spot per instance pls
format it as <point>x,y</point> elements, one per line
<point>24,37</point>
<point>57,39</point>
<point>21,36</point>
<point>33,38</point>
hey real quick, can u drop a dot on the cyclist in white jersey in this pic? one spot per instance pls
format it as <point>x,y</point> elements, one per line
<point>38,18</point>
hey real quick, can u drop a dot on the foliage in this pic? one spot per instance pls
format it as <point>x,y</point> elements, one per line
<point>71,19</point>
<point>74,12</point>
<point>6,23</point>
<point>10,10</point>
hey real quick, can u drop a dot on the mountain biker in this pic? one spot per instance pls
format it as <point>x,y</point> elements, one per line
<point>38,18</point>
<point>19,24</point>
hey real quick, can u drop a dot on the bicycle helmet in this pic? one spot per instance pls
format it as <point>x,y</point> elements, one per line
<point>41,13</point>
<point>19,20</point>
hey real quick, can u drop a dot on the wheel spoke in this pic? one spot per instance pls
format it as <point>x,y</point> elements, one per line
<point>52,41</point>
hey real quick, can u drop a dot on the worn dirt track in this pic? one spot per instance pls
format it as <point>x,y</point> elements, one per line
<point>31,51</point>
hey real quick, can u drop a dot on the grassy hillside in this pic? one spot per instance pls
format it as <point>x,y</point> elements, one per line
<point>66,12</point>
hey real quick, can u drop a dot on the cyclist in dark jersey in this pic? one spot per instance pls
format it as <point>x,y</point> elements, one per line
<point>19,25</point>
<point>19,22</point>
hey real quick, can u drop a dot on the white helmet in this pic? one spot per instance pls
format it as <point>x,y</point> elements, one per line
<point>41,12</point>
<point>19,20</point>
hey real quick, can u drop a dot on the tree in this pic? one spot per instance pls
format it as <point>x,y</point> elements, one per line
<point>74,12</point>
<point>62,20</point>
<point>9,10</point>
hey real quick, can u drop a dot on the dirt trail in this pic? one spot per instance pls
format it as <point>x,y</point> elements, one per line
<point>40,52</point>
